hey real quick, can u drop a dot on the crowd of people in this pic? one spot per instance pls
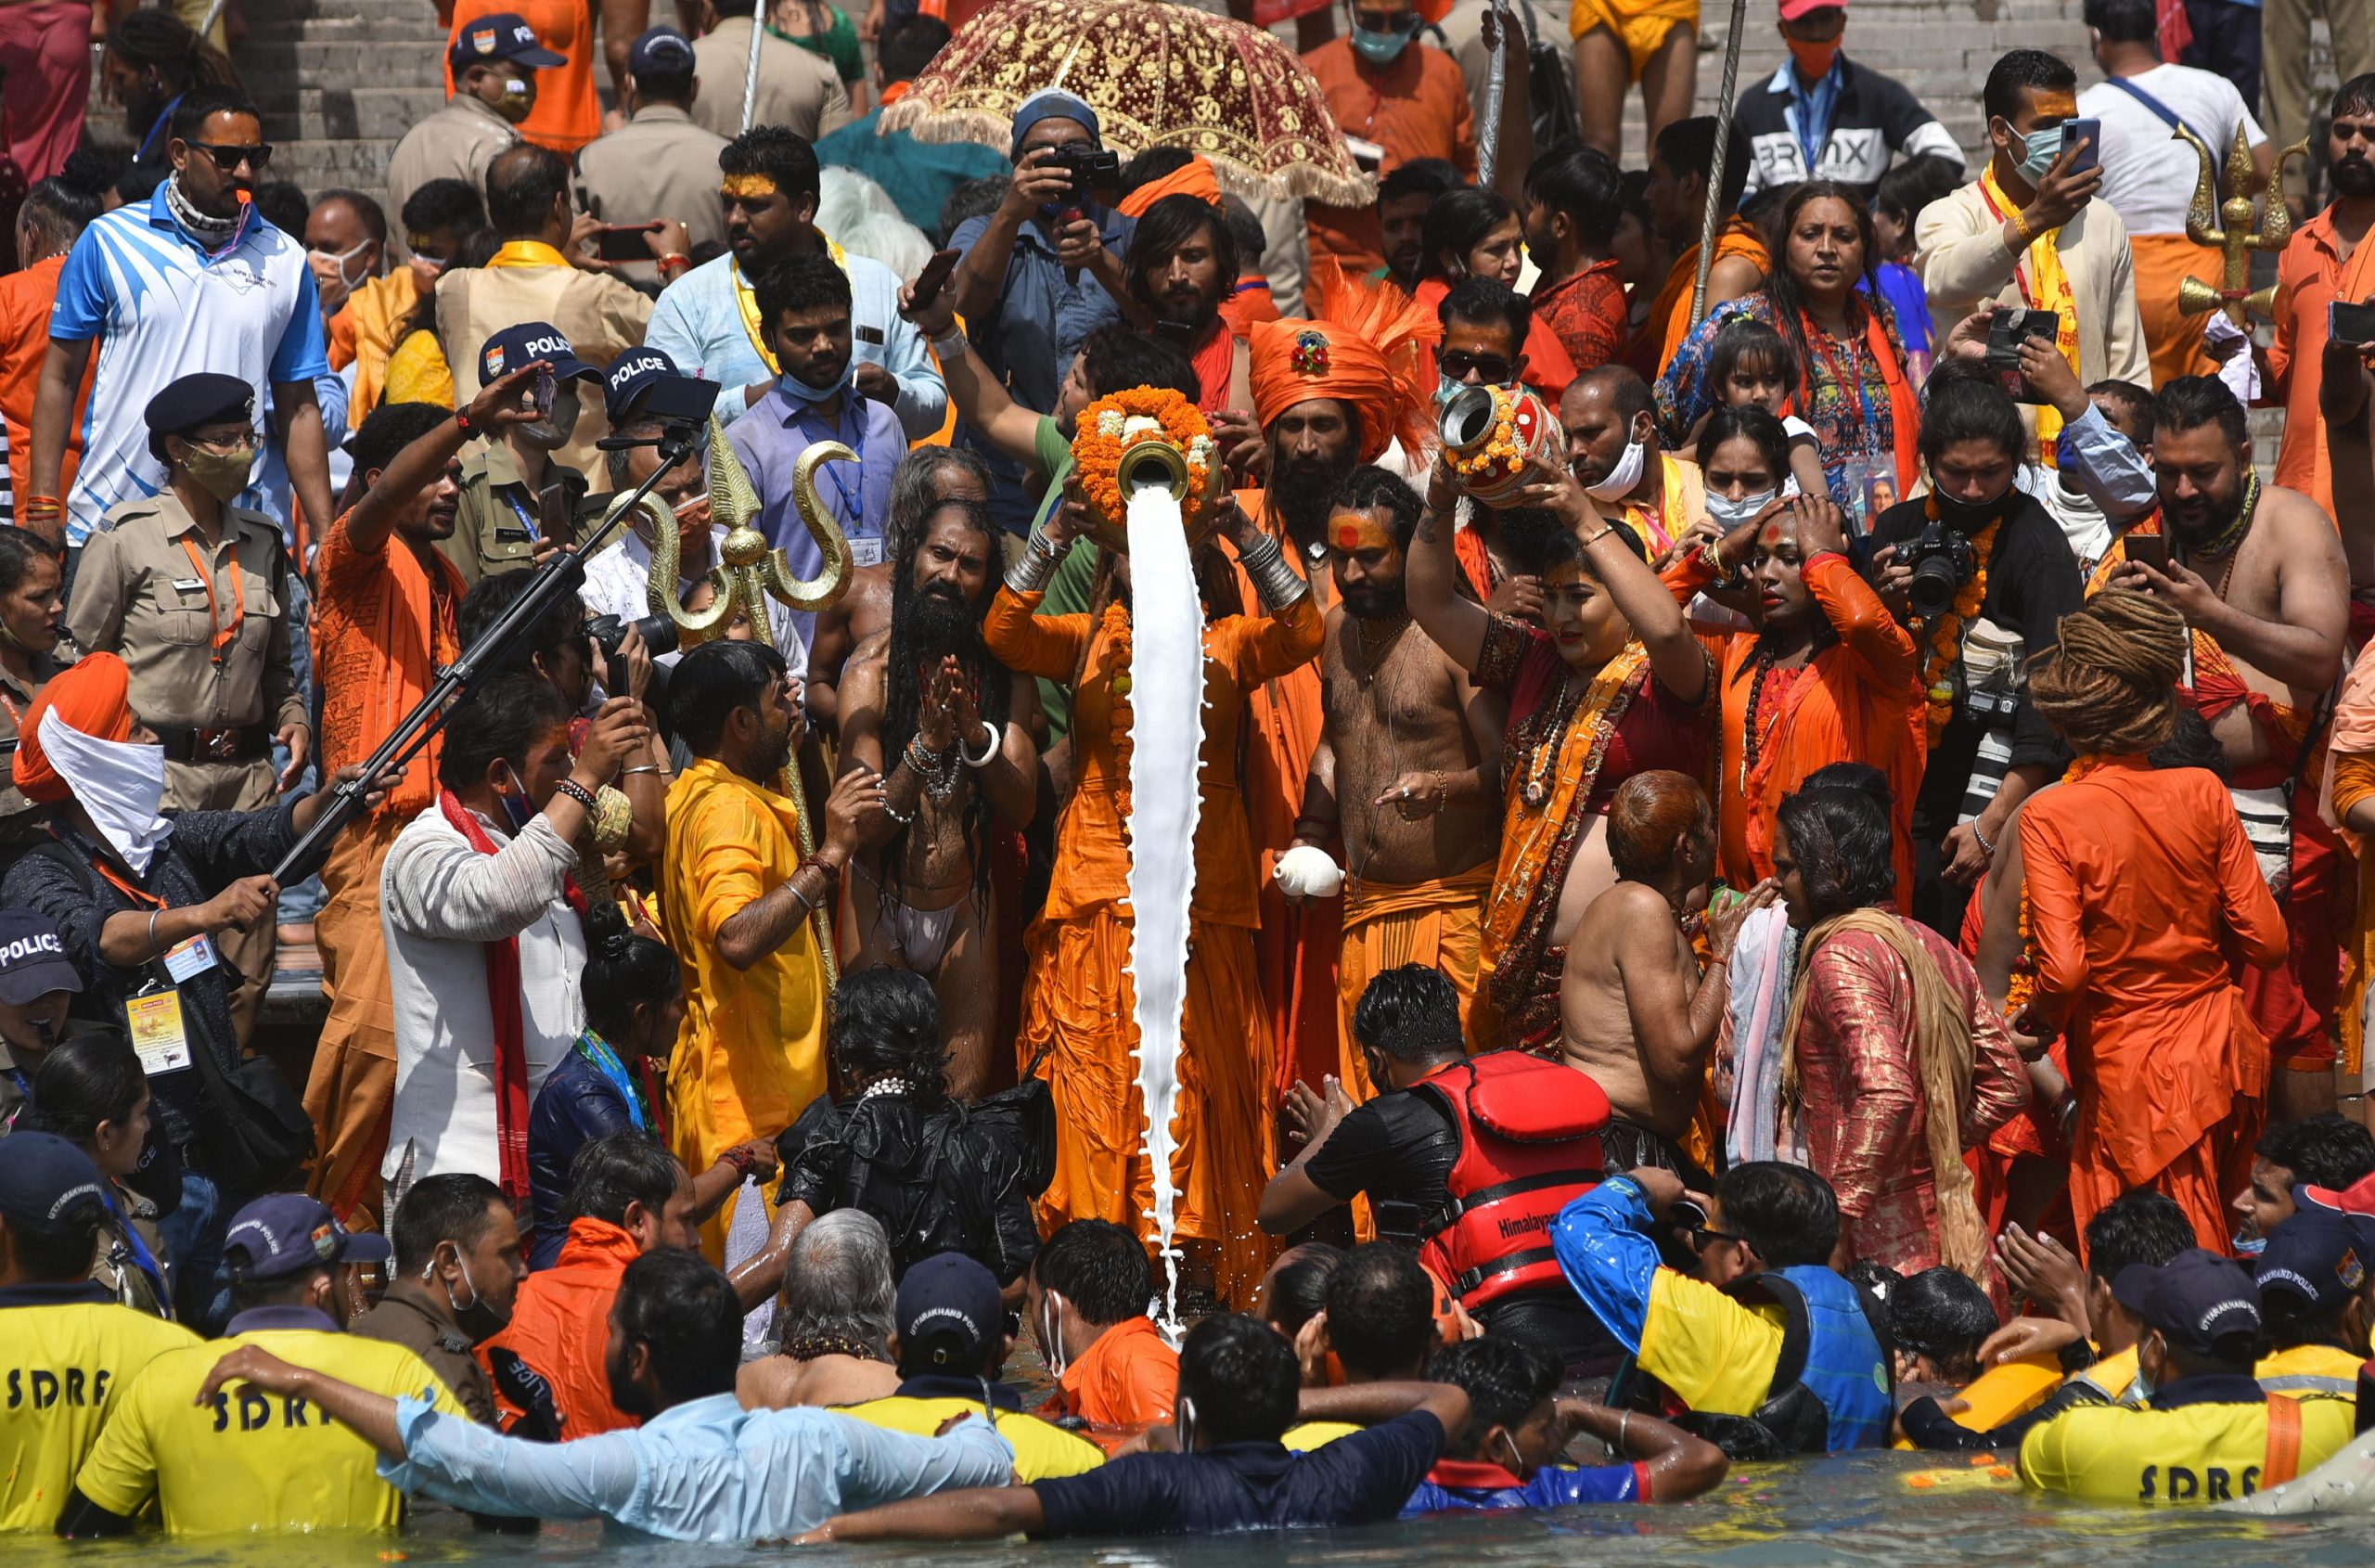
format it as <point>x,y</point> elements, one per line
<point>1822,908</point>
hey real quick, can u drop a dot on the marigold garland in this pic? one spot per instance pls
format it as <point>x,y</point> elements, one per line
<point>1111,426</point>
<point>1502,453</point>
<point>1946,636</point>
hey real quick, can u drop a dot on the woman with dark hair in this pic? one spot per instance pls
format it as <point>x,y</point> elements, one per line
<point>633,994</point>
<point>1893,1063</point>
<point>152,58</point>
<point>1858,391</point>
<point>90,1090</point>
<point>1470,233</point>
<point>32,607</point>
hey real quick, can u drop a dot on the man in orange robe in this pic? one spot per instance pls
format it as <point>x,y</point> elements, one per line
<point>1079,1001</point>
<point>1413,106</point>
<point>1677,196</point>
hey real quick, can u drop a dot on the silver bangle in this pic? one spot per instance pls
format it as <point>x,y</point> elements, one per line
<point>1623,1424</point>
<point>153,949</point>
<point>989,748</point>
<point>1032,568</point>
<point>1274,578</point>
<point>951,345</point>
<point>646,767</point>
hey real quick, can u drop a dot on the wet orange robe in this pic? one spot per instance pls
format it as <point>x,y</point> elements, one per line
<point>1078,1001</point>
<point>1668,322</point>
<point>1128,1377</point>
<point>560,1329</point>
<point>2139,883</point>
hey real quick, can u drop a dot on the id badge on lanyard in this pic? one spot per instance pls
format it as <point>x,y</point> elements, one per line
<point>153,1014</point>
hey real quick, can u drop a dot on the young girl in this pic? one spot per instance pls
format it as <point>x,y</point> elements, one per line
<point>1752,365</point>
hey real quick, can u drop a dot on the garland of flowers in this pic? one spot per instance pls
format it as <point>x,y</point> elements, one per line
<point>2022,984</point>
<point>1502,452</point>
<point>1946,636</point>
<point>1111,426</point>
<point>1116,631</point>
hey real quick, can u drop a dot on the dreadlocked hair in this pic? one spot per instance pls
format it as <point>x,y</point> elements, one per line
<point>2109,683</point>
<point>903,679</point>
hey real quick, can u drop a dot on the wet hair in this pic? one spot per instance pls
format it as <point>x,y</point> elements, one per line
<point>1878,1278</point>
<point>1298,1284</point>
<point>388,430</point>
<point>1745,422</point>
<point>443,203</point>
<point>887,1020</point>
<point>2354,96</point>
<point>2108,684</point>
<point>490,599</point>
<point>2190,402</point>
<point>1098,1267</point>
<point>617,1170</point>
<point>2123,21</point>
<point>800,283</point>
<point>1429,177</point>
<point>2327,1149</point>
<point>837,1282</point>
<point>84,1080</point>
<point>18,550</point>
<point>1687,146</point>
<point>1481,301</point>
<point>1940,1314</point>
<point>1371,489</point>
<point>1746,341</point>
<point>1963,401</point>
<point>1505,1381</point>
<point>1411,1013</point>
<point>56,212</point>
<point>1783,291</point>
<point>623,971</point>
<point>2024,70</point>
<point>685,1314</point>
<point>202,104</point>
<point>1653,814</point>
<point>974,198</point>
<point>910,45</point>
<point>1787,1212</point>
<point>2191,745</point>
<point>153,36</point>
<point>1583,183</point>
<point>1117,357</point>
<point>1164,227</point>
<point>1861,776</point>
<point>1380,1311</point>
<point>522,183</point>
<point>716,679</point>
<point>451,1206</point>
<point>284,205</point>
<point>1239,1379</point>
<point>1457,222</point>
<point>1844,848</point>
<point>779,153</point>
<point>1914,183</point>
<point>2139,1226</point>
<point>2134,404</point>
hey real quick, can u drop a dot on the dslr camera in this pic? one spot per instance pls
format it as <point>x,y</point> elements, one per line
<point>1943,561</point>
<point>610,631</point>
<point>1089,168</point>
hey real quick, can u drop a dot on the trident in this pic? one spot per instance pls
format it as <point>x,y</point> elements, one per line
<point>2227,226</point>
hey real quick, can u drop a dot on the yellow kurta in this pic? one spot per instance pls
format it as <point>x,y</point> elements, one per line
<point>751,1052</point>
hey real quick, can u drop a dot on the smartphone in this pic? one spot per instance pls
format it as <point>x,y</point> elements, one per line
<point>552,515</point>
<point>2006,333</point>
<point>934,278</point>
<point>623,242</point>
<point>2349,323</point>
<point>2151,549</point>
<point>548,390</point>
<point>2091,133</point>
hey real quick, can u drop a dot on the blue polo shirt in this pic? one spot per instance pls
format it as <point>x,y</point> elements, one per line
<point>161,307</point>
<point>1355,1480</point>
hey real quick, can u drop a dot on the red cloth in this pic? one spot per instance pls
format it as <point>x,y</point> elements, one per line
<point>1248,303</point>
<point>560,1329</point>
<point>1586,311</point>
<point>45,56</point>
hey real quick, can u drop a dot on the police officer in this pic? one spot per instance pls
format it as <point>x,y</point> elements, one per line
<point>497,520</point>
<point>193,592</point>
<point>659,165</point>
<point>494,61</point>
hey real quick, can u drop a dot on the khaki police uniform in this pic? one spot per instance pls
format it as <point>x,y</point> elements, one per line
<point>601,316</point>
<point>455,143</point>
<point>657,165</point>
<point>496,521</point>
<point>796,88</point>
<point>204,633</point>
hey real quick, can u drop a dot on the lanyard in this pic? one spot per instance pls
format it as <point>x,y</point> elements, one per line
<point>528,519</point>
<point>1830,349</point>
<point>853,505</point>
<point>224,635</point>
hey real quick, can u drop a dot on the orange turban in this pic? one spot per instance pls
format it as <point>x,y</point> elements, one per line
<point>1366,350</point>
<point>94,696</point>
<point>1194,178</point>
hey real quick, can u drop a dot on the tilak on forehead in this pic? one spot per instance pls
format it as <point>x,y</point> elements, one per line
<point>1351,531</point>
<point>748,188</point>
<point>2056,103</point>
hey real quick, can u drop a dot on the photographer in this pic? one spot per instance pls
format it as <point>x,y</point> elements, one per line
<point>1982,574</point>
<point>496,523</point>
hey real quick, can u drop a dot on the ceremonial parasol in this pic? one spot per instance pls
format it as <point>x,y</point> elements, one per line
<point>1158,75</point>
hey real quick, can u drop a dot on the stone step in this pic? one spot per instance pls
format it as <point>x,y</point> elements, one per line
<point>311,114</point>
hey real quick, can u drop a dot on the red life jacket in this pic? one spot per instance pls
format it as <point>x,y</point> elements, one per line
<point>1528,1145</point>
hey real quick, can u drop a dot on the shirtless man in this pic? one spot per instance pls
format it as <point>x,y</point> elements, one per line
<point>2260,570</point>
<point>1407,770</point>
<point>949,727</point>
<point>1635,1013</point>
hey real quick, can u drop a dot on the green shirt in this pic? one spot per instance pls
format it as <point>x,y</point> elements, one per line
<point>1075,583</point>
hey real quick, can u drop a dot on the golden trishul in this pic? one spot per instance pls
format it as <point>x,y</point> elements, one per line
<point>749,575</point>
<point>2227,226</point>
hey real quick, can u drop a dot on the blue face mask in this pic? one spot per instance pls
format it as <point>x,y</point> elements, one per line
<point>2038,150</point>
<point>1383,49</point>
<point>802,389</point>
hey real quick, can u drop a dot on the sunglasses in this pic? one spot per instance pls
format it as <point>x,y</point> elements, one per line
<point>228,159</point>
<point>1458,364</point>
<point>1705,1235</point>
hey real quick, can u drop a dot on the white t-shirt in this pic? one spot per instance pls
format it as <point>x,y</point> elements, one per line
<point>618,582</point>
<point>2149,174</point>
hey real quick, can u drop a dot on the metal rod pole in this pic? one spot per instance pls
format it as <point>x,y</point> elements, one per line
<point>751,67</point>
<point>214,13</point>
<point>1488,140</point>
<point>1715,167</point>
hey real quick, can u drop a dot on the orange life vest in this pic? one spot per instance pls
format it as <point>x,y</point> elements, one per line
<point>1528,1145</point>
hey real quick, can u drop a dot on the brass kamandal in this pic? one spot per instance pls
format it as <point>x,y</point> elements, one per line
<point>2227,226</point>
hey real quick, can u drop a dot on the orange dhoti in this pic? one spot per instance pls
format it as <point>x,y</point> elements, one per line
<point>1440,924</point>
<point>2173,339</point>
<point>353,1079</point>
<point>1079,1006</point>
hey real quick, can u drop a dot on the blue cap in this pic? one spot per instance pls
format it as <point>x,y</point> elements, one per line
<point>628,375</point>
<point>1051,103</point>
<point>500,35</point>
<point>287,1233</point>
<point>48,1186</point>
<point>32,959</point>
<point>2195,1299</point>
<point>526,343</point>
<point>660,51</point>
<point>948,1314</point>
<point>2318,1255</point>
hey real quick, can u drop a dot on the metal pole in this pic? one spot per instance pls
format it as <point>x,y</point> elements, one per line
<point>751,69</point>
<point>1488,140</point>
<point>1716,168</point>
<point>214,13</point>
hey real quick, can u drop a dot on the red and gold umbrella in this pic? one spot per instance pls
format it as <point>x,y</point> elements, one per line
<point>1158,75</point>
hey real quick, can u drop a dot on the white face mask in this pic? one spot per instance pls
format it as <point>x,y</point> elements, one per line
<point>1620,478</point>
<point>341,258</point>
<point>121,786</point>
<point>1731,513</point>
<point>1051,1333</point>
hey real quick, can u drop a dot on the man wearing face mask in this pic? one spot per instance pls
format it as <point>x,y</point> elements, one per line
<point>1405,97</point>
<point>494,62</point>
<point>1611,427</point>
<point>437,219</point>
<point>346,244</point>
<point>2029,235</point>
<point>496,523</point>
<point>193,593</point>
<point>1824,117</point>
<point>458,1272</point>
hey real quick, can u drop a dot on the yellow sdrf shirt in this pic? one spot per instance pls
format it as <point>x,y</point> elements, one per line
<point>1043,1451</point>
<point>65,1367</point>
